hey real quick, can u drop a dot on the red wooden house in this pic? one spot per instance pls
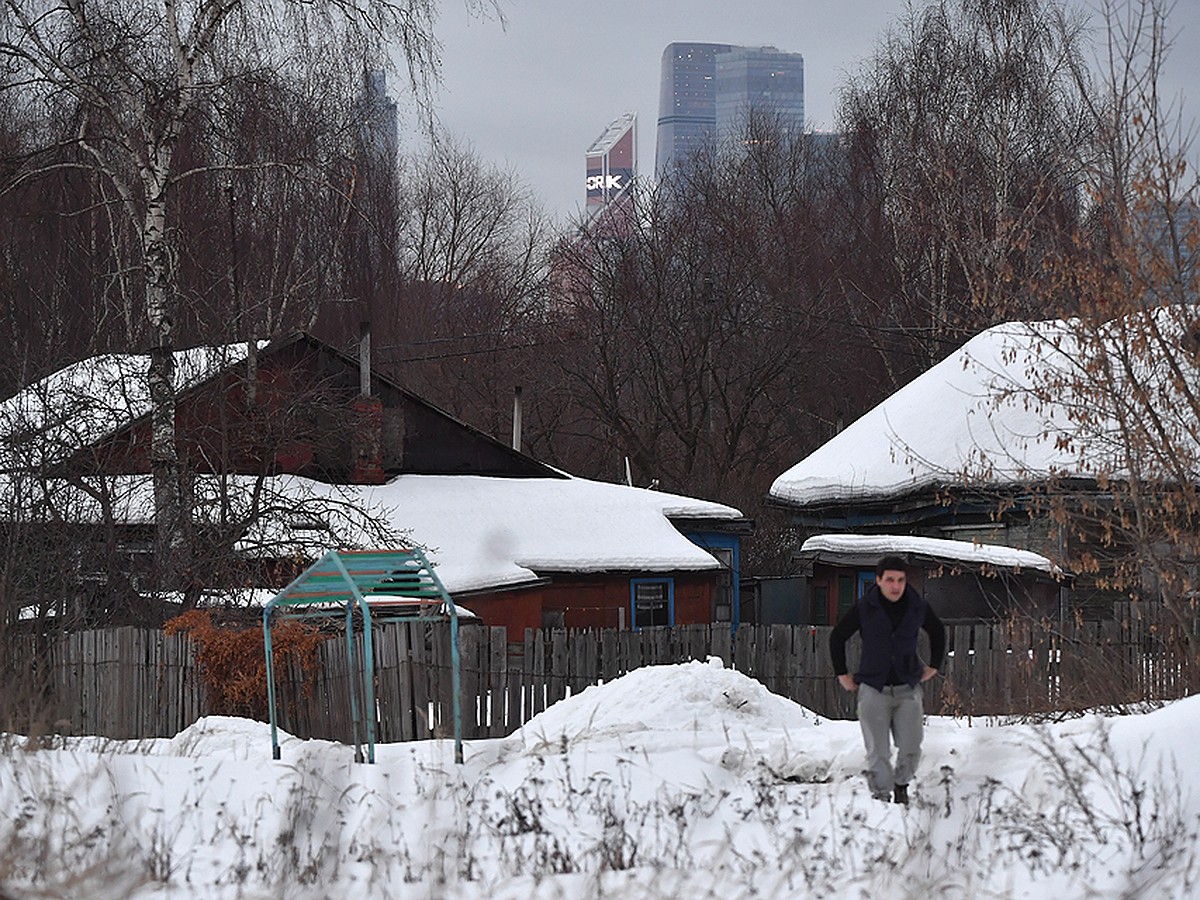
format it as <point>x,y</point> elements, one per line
<point>326,437</point>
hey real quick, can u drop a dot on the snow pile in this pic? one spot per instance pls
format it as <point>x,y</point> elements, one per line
<point>688,780</point>
<point>673,699</point>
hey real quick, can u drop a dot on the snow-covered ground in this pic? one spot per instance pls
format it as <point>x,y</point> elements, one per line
<point>673,781</point>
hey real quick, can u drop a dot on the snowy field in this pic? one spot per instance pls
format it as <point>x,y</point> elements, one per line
<point>674,781</point>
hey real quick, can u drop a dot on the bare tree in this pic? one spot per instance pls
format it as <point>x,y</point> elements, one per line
<point>1125,366</point>
<point>136,78</point>
<point>701,325</point>
<point>472,248</point>
<point>969,130</point>
<point>465,222</point>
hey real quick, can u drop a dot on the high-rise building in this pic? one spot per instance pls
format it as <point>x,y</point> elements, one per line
<point>687,101</point>
<point>371,234</point>
<point>611,175</point>
<point>612,163</point>
<point>378,125</point>
<point>708,90</point>
<point>761,80</point>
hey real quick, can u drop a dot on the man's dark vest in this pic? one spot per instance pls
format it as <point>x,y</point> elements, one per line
<point>886,651</point>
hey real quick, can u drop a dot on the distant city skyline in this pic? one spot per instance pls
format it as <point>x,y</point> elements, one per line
<point>706,91</point>
<point>532,96</point>
<point>687,100</point>
<point>378,126</point>
<point>766,80</point>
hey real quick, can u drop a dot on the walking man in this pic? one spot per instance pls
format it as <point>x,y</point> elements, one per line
<point>890,616</point>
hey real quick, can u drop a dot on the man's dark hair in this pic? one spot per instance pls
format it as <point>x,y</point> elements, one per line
<point>891,564</point>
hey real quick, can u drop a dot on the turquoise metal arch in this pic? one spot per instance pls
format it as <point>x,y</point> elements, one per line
<point>343,581</point>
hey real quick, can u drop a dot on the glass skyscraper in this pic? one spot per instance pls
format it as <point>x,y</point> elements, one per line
<point>707,90</point>
<point>763,80</point>
<point>687,101</point>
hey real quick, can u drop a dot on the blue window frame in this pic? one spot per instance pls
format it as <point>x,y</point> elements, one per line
<point>865,580</point>
<point>651,602</point>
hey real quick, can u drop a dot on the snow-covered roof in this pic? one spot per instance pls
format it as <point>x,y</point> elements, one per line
<point>87,400</point>
<point>971,418</point>
<point>485,532</point>
<point>875,546</point>
<point>480,532</point>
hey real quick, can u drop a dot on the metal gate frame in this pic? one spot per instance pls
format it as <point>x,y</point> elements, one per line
<point>343,581</point>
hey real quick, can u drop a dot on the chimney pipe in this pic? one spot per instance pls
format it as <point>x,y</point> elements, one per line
<point>364,358</point>
<point>516,437</point>
<point>251,372</point>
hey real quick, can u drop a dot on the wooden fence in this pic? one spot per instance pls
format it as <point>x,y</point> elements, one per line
<point>128,682</point>
<point>116,682</point>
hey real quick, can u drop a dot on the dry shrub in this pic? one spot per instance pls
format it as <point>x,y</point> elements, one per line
<point>233,665</point>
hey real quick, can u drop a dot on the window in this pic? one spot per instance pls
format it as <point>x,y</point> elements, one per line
<point>653,602</point>
<point>723,599</point>
<point>820,605</point>
<point>845,594</point>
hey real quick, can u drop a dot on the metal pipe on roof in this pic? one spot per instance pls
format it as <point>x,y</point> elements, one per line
<point>516,433</point>
<point>364,358</point>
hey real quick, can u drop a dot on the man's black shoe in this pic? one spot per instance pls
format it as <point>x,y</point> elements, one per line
<point>900,794</point>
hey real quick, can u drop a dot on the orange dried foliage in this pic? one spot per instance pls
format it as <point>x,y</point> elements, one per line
<point>232,661</point>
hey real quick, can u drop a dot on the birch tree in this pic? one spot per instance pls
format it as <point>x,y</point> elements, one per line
<point>969,127</point>
<point>135,76</point>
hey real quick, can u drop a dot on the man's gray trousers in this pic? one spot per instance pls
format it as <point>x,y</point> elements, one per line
<point>895,713</point>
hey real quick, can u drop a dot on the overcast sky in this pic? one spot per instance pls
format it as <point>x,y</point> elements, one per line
<point>533,95</point>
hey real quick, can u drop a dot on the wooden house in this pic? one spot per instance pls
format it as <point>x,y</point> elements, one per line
<point>961,453</point>
<point>349,457</point>
<point>964,582</point>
